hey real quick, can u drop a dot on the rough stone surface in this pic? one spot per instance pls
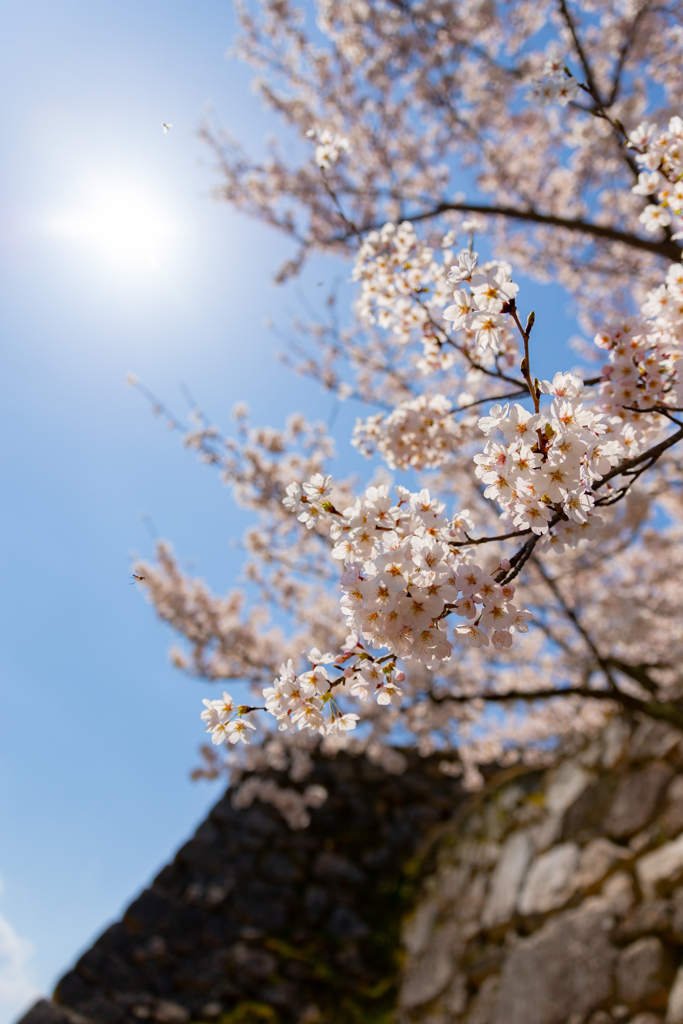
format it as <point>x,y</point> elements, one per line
<point>596,934</point>
<point>672,815</point>
<point>507,879</point>
<point>44,1012</point>
<point>551,880</point>
<point>661,867</point>
<point>674,1010</point>
<point>539,981</point>
<point>430,973</point>
<point>650,916</point>
<point>641,975</point>
<point>597,858</point>
<point>636,799</point>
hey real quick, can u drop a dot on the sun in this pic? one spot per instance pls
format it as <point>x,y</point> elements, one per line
<point>123,224</point>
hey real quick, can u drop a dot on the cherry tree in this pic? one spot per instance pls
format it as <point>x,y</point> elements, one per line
<point>510,575</point>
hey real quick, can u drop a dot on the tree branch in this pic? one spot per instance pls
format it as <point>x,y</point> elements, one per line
<point>663,711</point>
<point>623,54</point>
<point>666,248</point>
<point>651,455</point>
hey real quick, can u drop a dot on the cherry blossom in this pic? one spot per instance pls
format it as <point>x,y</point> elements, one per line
<point>526,555</point>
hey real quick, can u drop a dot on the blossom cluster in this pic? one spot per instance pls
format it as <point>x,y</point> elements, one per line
<point>402,283</point>
<point>660,154</point>
<point>546,469</point>
<point>556,85</point>
<point>404,573</point>
<point>481,296</point>
<point>421,433</point>
<point>225,722</point>
<point>643,356</point>
<point>329,146</point>
<point>301,701</point>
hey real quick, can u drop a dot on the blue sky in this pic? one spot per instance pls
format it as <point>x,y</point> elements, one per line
<point>97,732</point>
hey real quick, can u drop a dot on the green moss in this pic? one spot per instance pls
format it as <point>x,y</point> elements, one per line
<point>250,1013</point>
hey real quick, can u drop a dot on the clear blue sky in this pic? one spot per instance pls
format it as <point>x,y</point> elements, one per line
<point>97,731</point>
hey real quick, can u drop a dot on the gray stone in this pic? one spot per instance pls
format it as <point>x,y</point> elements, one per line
<point>452,882</point>
<point>44,1012</point>
<point>551,880</point>
<point>677,914</point>
<point>485,1003</point>
<point>469,907</point>
<point>645,1018</point>
<point>672,816</point>
<point>653,739</point>
<point>674,1010</point>
<point>566,786</point>
<point>660,866</point>
<point>547,832</point>
<point>171,1013</point>
<point>507,879</point>
<point>636,799</point>
<point>613,741</point>
<point>644,840</point>
<point>641,974</point>
<point>617,893</point>
<point>646,917</point>
<point>455,996</point>
<point>586,817</point>
<point>418,928</point>
<point>566,963</point>
<point>427,975</point>
<point>596,860</point>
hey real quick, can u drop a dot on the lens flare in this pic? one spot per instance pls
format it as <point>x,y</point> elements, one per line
<point>122,224</point>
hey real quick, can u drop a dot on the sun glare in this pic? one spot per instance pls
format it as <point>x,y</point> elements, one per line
<point>125,226</point>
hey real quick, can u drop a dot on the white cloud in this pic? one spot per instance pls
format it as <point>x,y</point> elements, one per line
<point>16,989</point>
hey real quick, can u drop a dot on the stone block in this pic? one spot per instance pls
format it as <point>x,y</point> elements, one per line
<point>44,1012</point>
<point>671,817</point>
<point>506,879</point>
<point>455,997</point>
<point>566,786</point>
<point>617,893</point>
<point>586,815</point>
<point>677,914</point>
<point>661,868</point>
<point>636,799</point>
<point>485,1003</point>
<point>674,1009</point>
<point>567,963</point>
<point>550,881</point>
<point>653,739</point>
<point>418,928</point>
<point>429,974</point>
<point>641,974</point>
<point>646,917</point>
<point>168,1012</point>
<point>596,860</point>
<point>614,739</point>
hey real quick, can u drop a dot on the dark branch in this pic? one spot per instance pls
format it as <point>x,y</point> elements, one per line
<point>666,248</point>
<point>664,711</point>
<point>623,54</point>
<point>651,456</point>
<point>581,53</point>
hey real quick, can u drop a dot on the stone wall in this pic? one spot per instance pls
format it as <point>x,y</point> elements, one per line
<point>253,923</point>
<point>551,897</point>
<point>557,895</point>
